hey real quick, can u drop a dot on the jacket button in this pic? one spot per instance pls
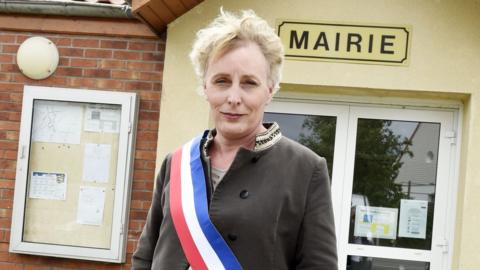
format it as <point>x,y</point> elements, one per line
<point>244,194</point>
<point>232,237</point>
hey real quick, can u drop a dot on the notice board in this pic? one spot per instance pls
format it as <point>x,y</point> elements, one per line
<point>74,173</point>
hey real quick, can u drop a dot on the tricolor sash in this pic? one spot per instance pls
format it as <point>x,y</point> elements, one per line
<point>202,244</point>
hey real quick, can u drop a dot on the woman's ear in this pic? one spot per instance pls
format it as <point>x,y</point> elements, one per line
<point>204,91</point>
<point>270,95</point>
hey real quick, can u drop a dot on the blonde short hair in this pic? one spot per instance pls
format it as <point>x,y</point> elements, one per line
<point>226,31</point>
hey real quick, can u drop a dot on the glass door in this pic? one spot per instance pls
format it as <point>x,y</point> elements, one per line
<point>397,176</point>
<point>390,171</point>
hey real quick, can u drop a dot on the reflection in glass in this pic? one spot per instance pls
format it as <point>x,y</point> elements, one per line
<point>371,263</point>
<point>394,161</point>
<point>315,132</point>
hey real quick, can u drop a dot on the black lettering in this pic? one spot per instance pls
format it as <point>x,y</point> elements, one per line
<point>337,42</point>
<point>351,42</point>
<point>298,43</point>
<point>321,41</point>
<point>385,44</point>
<point>370,43</point>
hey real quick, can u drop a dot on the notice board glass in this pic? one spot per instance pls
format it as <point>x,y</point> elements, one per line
<point>74,173</point>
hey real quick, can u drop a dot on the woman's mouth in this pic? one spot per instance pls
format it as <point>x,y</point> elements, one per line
<point>231,116</point>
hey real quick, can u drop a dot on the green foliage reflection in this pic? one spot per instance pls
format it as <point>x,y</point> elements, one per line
<point>378,157</point>
<point>320,137</point>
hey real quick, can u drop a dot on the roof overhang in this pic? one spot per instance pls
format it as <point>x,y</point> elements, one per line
<point>157,14</point>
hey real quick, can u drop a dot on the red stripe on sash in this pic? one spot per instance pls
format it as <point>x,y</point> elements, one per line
<point>178,217</point>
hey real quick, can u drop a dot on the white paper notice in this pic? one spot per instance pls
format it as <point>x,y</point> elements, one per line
<point>91,202</point>
<point>413,219</point>
<point>378,222</point>
<point>57,122</point>
<point>96,162</point>
<point>49,186</point>
<point>102,119</point>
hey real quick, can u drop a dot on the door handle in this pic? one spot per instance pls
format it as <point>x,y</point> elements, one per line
<point>443,244</point>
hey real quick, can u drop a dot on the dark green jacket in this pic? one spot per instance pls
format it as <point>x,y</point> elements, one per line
<point>273,208</point>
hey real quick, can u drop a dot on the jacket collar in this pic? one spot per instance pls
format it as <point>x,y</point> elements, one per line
<point>263,140</point>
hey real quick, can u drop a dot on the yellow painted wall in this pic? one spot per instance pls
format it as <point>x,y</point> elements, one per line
<point>444,60</point>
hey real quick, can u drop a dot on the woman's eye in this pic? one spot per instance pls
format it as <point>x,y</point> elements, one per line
<point>221,81</point>
<point>251,83</point>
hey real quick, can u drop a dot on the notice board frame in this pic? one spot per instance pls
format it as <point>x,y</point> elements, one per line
<point>116,249</point>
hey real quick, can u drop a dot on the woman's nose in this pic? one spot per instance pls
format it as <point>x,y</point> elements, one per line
<point>234,96</point>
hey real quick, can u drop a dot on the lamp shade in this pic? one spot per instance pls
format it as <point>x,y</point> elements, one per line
<point>37,58</point>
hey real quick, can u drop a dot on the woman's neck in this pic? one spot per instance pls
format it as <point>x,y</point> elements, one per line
<point>224,149</point>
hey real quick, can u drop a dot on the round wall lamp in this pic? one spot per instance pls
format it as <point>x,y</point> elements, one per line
<point>37,58</point>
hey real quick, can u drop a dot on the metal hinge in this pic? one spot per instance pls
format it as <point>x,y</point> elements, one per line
<point>452,136</point>
<point>443,244</point>
<point>22,151</point>
<point>129,127</point>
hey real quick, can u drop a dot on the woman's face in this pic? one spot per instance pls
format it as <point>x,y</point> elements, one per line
<point>237,88</point>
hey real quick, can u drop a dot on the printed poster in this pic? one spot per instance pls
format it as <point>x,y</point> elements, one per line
<point>102,118</point>
<point>48,186</point>
<point>96,162</point>
<point>413,219</point>
<point>91,203</point>
<point>57,122</point>
<point>377,222</point>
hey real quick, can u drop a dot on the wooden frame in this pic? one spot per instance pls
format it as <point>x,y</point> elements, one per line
<point>76,25</point>
<point>159,13</point>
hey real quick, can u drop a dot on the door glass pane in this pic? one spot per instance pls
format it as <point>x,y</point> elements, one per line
<point>393,194</point>
<point>371,263</point>
<point>315,132</point>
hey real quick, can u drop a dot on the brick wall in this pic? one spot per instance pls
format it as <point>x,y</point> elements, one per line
<point>86,62</point>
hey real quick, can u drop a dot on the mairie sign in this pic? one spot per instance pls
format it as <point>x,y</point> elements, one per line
<point>369,44</point>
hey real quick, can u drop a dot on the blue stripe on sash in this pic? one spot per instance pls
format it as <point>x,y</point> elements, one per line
<point>201,206</point>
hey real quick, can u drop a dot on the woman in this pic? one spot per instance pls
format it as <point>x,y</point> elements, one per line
<point>241,196</point>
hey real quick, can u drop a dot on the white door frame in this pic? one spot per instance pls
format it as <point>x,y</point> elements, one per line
<point>449,115</point>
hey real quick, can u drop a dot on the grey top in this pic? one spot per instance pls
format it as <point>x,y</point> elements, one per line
<point>273,208</point>
<point>217,176</point>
